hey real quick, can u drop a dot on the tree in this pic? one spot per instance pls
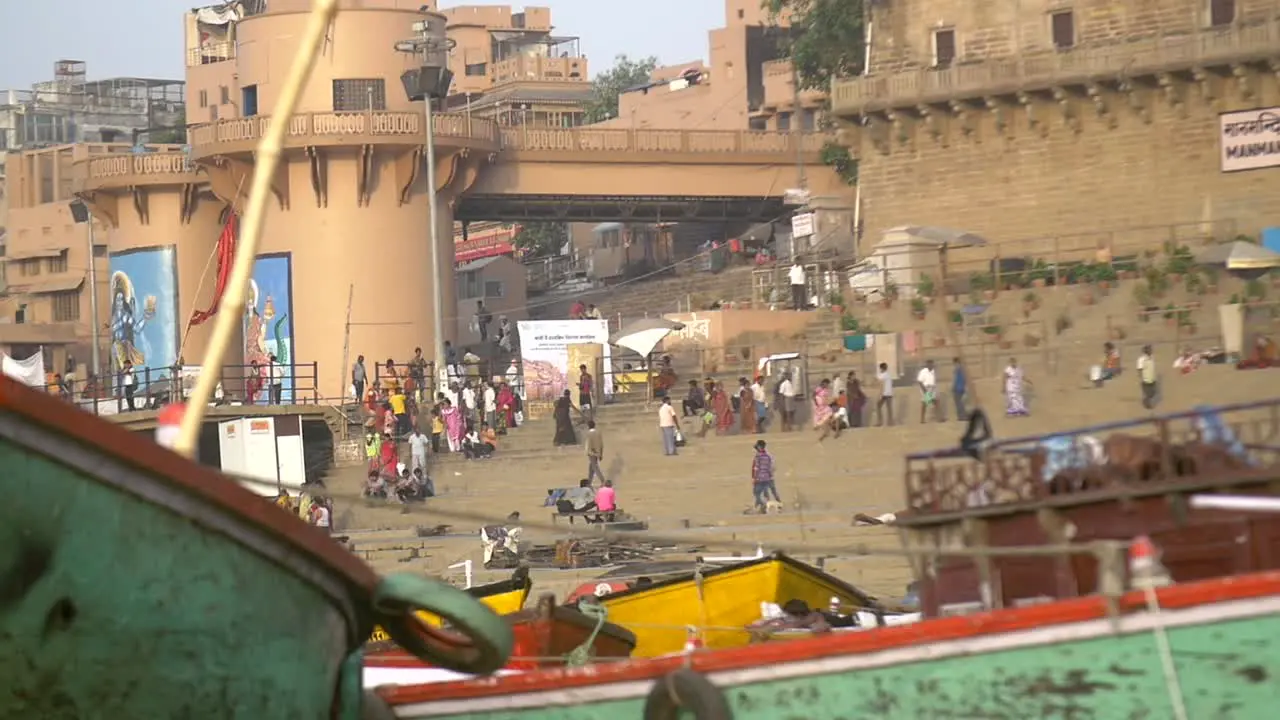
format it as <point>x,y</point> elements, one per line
<point>608,85</point>
<point>827,38</point>
<point>541,239</point>
<point>175,134</point>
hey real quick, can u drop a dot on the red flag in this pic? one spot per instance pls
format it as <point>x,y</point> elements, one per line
<point>226,257</point>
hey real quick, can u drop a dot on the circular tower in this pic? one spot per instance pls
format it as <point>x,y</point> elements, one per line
<point>347,233</point>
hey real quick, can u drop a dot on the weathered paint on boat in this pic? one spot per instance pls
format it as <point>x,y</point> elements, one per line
<point>1066,659</point>
<point>137,584</point>
<point>504,598</point>
<point>724,602</point>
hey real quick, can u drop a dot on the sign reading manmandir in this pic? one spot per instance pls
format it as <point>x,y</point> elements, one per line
<point>1250,139</point>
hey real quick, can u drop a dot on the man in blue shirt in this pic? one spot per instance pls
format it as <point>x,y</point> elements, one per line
<point>959,386</point>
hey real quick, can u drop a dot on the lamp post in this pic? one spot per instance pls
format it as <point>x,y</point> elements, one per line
<point>80,213</point>
<point>429,82</point>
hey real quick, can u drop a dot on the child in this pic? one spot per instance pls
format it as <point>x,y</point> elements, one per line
<point>437,429</point>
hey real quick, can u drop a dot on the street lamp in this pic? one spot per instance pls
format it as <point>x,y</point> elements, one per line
<point>80,213</point>
<point>429,82</point>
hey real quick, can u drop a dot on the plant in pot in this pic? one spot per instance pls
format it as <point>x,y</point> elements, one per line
<point>1170,315</point>
<point>1039,274</point>
<point>925,288</point>
<point>849,324</point>
<point>918,308</point>
<point>1142,298</point>
<point>836,301</point>
<point>1178,262</point>
<point>983,283</point>
<point>1104,275</point>
<point>890,293</point>
<point>1255,291</point>
<point>956,318</point>
<point>1157,281</point>
<point>1211,276</point>
<point>993,329</point>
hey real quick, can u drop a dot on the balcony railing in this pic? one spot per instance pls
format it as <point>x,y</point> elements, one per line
<point>158,164</point>
<point>1003,76</point>
<point>342,126</point>
<point>211,53</point>
<point>661,141</point>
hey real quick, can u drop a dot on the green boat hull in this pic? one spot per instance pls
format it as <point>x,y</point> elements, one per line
<point>116,607</point>
<point>1226,670</point>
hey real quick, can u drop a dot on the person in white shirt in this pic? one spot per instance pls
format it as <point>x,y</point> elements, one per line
<point>762,406</point>
<point>786,401</point>
<point>469,403</point>
<point>490,405</point>
<point>799,293</point>
<point>927,380</point>
<point>1147,377</point>
<point>885,403</point>
<point>668,424</point>
<point>276,376</point>
<point>320,516</point>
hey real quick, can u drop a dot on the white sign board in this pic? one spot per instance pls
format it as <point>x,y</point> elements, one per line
<point>802,225</point>
<point>544,352</point>
<point>1249,139</point>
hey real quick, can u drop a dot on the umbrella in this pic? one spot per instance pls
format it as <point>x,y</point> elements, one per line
<point>941,235</point>
<point>644,334</point>
<point>1240,255</point>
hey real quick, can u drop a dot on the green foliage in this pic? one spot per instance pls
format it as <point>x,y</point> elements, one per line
<point>837,157</point>
<point>176,135</point>
<point>918,306</point>
<point>1178,259</point>
<point>1255,291</point>
<point>835,298</point>
<point>981,281</point>
<point>541,239</point>
<point>925,286</point>
<point>608,85</point>
<point>849,323</point>
<point>955,317</point>
<point>827,38</point>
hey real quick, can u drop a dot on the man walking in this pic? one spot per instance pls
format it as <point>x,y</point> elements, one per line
<point>359,378</point>
<point>762,483</point>
<point>595,451</point>
<point>799,299</point>
<point>585,385</point>
<point>667,422</point>
<point>886,395</point>
<point>959,387</point>
<point>1147,376</point>
<point>927,379</point>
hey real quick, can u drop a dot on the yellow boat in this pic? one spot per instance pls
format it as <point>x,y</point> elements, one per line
<point>723,603</point>
<point>504,597</point>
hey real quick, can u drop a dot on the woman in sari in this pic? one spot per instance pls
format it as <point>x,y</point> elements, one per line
<point>564,421</point>
<point>453,425</point>
<point>822,404</point>
<point>722,406</point>
<point>666,378</point>
<point>1015,383</point>
<point>746,406</point>
<point>506,408</point>
<point>857,399</point>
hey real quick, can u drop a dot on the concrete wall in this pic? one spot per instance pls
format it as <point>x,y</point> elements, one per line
<point>512,303</point>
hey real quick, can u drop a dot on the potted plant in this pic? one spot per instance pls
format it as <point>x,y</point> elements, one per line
<point>1104,275</point>
<point>1179,261</point>
<point>993,329</point>
<point>1210,281</point>
<point>983,283</point>
<point>1030,303</point>
<point>956,318</point>
<point>1039,274</point>
<point>849,324</point>
<point>1170,315</point>
<point>918,308</point>
<point>836,301</point>
<point>1157,281</point>
<point>1255,291</point>
<point>890,293</point>
<point>925,288</point>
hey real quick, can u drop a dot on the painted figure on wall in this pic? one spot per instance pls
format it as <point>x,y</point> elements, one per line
<point>268,326</point>
<point>144,310</point>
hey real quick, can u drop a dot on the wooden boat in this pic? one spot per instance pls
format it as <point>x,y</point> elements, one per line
<point>544,637</point>
<point>1209,651</point>
<point>722,602</point>
<point>1022,635</point>
<point>503,597</point>
<point>135,583</point>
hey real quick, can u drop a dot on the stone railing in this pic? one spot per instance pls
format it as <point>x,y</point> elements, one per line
<point>1127,59</point>
<point>159,164</point>
<point>748,142</point>
<point>355,126</point>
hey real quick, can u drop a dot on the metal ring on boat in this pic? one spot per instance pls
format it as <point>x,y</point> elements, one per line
<point>477,641</point>
<point>688,691</point>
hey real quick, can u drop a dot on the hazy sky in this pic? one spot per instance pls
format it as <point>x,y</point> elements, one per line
<point>143,38</point>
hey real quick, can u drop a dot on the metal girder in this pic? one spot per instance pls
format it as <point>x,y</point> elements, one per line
<point>580,208</point>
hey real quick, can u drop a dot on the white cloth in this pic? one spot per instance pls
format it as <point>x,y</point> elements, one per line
<point>796,274</point>
<point>927,378</point>
<point>29,372</point>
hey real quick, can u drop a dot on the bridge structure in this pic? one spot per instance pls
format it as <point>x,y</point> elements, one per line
<point>345,243</point>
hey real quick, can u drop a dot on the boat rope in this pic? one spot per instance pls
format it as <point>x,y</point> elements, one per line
<point>1171,681</point>
<point>583,654</point>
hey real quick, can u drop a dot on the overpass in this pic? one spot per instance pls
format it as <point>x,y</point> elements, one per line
<point>350,215</point>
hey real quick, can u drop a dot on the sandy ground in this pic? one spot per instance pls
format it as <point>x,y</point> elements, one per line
<point>700,496</point>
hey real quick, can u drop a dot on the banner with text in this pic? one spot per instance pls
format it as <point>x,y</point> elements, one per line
<point>544,353</point>
<point>1250,139</point>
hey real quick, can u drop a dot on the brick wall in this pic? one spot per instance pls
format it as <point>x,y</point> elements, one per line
<point>1052,180</point>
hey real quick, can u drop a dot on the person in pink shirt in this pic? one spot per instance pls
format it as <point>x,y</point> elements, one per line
<point>606,500</point>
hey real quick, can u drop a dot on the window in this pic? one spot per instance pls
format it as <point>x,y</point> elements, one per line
<point>784,121</point>
<point>66,306</point>
<point>57,264</point>
<point>741,13</point>
<point>469,285</point>
<point>493,288</point>
<point>1063,26</point>
<point>944,47</point>
<point>99,251</point>
<point>359,95</point>
<point>204,98</point>
<point>224,95</point>
<point>807,119</point>
<point>213,113</point>
<point>249,100</point>
<point>1222,12</point>
<point>29,268</point>
<point>477,69</point>
<point>758,123</point>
